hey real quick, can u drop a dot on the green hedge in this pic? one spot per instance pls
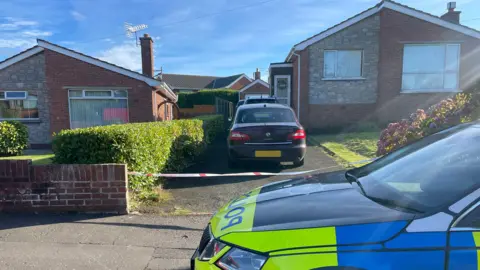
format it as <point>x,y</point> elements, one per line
<point>213,125</point>
<point>206,97</point>
<point>13,138</point>
<point>145,147</point>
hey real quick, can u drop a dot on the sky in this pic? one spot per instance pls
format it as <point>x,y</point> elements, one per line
<point>201,37</point>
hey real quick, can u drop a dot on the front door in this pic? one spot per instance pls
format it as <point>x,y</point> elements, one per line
<point>464,241</point>
<point>282,89</point>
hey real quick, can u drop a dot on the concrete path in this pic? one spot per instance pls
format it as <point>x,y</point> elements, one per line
<point>98,242</point>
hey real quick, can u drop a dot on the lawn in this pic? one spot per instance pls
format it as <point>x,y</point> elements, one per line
<point>38,157</point>
<point>348,147</point>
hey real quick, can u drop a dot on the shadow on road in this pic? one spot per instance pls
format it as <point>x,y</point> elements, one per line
<point>10,221</point>
<point>215,160</point>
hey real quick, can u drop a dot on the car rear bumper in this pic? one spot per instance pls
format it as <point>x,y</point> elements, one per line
<point>288,152</point>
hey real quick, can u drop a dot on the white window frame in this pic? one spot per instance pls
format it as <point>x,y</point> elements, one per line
<point>24,98</point>
<point>335,77</point>
<point>443,73</point>
<point>289,87</point>
<point>112,96</point>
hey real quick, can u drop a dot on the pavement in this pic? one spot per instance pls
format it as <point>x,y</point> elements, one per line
<point>86,242</point>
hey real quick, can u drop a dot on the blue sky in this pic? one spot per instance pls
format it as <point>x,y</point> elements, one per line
<point>189,37</point>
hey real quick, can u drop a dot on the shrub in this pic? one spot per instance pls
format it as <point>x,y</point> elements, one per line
<point>144,147</point>
<point>206,97</point>
<point>445,114</point>
<point>213,125</point>
<point>13,138</point>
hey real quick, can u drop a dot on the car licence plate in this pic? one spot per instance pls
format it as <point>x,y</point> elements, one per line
<point>268,153</point>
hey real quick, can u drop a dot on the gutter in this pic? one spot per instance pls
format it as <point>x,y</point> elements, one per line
<point>298,84</point>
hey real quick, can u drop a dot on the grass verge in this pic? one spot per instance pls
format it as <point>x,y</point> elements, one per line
<point>38,157</point>
<point>348,148</point>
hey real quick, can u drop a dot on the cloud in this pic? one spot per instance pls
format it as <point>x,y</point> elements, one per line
<point>16,23</point>
<point>77,15</point>
<point>17,43</point>
<point>126,55</point>
<point>37,33</point>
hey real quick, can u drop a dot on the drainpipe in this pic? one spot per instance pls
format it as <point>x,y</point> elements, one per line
<point>298,86</point>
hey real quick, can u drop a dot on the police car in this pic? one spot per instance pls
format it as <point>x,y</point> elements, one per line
<point>416,208</point>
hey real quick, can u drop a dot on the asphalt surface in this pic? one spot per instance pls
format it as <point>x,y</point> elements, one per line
<point>86,242</point>
<point>209,194</point>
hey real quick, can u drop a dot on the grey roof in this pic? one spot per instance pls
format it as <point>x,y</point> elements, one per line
<point>223,82</point>
<point>180,81</point>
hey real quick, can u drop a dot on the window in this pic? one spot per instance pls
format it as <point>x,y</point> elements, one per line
<point>18,105</point>
<point>265,115</point>
<point>342,64</point>
<point>471,220</point>
<point>430,67</point>
<point>97,107</point>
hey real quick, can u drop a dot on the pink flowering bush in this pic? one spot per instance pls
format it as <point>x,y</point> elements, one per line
<point>445,114</point>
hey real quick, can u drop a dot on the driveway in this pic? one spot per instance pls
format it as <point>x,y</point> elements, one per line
<point>209,194</point>
<point>86,242</point>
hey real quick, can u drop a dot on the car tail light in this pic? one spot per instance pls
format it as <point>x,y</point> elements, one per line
<point>238,136</point>
<point>298,135</point>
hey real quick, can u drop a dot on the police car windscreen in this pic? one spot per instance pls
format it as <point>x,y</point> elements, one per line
<point>265,115</point>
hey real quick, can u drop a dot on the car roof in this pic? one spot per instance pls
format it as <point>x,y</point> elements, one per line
<point>261,98</point>
<point>263,105</point>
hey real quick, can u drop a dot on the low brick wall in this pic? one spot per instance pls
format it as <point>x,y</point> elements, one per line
<point>62,188</point>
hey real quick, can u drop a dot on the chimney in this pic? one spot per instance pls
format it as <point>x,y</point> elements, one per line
<point>451,15</point>
<point>146,43</point>
<point>257,74</point>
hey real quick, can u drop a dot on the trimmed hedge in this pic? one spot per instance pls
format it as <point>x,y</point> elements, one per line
<point>145,147</point>
<point>213,125</point>
<point>206,97</point>
<point>13,138</point>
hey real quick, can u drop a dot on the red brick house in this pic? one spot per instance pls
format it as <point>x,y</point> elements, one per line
<point>379,65</point>
<point>194,83</point>
<point>256,88</point>
<point>50,88</point>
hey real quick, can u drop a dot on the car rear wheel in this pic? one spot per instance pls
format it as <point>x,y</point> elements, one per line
<point>299,163</point>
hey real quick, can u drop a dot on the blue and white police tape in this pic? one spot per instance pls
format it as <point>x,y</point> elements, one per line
<point>188,175</point>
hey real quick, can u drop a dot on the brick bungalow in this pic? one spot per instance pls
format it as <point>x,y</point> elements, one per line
<point>51,88</point>
<point>256,88</point>
<point>194,83</point>
<point>380,65</point>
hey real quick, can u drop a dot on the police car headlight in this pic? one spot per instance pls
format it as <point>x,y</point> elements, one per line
<point>213,248</point>
<point>237,259</point>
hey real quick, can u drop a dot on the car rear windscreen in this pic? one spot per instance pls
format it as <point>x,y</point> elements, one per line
<point>265,115</point>
<point>256,101</point>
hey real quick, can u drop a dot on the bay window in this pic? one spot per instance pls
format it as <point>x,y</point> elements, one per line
<point>430,67</point>
<point>344,64</point>
<point>18,105</point>
<point>97,107</point>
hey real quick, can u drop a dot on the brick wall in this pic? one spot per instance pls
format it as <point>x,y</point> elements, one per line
<point>257,88</point>
<point>361,36</point>
<point>29,75</point>
<point>62,188</point>
<point>63,71</point>
<point>240,84</point>
<point>396,30</point>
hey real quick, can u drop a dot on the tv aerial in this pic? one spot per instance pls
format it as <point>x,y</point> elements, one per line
<point>131,30</point>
